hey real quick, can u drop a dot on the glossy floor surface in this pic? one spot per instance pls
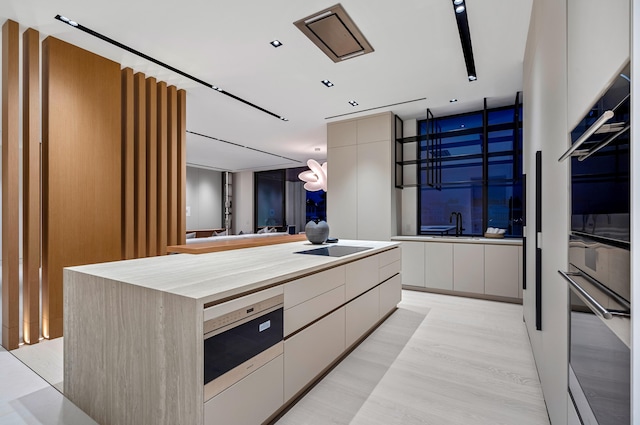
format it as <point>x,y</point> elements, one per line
<point>437,360</point>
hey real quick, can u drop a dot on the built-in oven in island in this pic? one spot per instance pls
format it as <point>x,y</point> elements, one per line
<point>240,337</point>
<point>599,261</point>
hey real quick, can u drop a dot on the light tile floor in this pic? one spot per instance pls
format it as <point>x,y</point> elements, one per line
<point>437,360</point>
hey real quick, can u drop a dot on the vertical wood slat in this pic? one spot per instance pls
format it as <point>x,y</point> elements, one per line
<point>81,192</point>
<point>162,168</point>
<point>152,166</point>
<point>128,170</point>
<point>182,167</point>
<point>140,185</point>
<point>172,164</point>
<point>10,178</point>
<point>31,187</point>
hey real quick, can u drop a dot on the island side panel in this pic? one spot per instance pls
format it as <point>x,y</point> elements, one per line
<point>131,354</point>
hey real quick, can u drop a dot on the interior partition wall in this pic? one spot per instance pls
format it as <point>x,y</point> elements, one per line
<point>109,176</point>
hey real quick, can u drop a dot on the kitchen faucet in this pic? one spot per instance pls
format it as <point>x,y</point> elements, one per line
<point>458,217</point>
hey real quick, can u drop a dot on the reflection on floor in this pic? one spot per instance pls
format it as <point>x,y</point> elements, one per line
<point>437,360</point>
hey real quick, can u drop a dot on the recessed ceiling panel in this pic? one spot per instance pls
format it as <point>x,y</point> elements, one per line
<point>333,31</point>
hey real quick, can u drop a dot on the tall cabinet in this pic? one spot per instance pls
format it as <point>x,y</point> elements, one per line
<point>361,195</point>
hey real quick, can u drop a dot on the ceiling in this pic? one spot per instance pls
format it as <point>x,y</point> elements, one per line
<point>417,64</point>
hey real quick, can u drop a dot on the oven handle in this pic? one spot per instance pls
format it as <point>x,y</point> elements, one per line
<point>584,296</point>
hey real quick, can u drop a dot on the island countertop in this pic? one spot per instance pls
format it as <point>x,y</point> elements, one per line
<point>212,277</point>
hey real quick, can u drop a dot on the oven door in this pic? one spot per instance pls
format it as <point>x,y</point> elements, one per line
<point>240,347</point>
<point>599,353</point>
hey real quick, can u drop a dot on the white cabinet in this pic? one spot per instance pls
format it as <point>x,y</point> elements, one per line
<point>520,271</point>
<point>362,314</point>
<point>468,272</point>
<point>251,400</point>
<point>413,263</point>
<point>362,275</point>
<point>501,270</point>
<point>438,263</point>
<point>390,294</point>
<point>374,188</point>
<point>341,194</point>
<point>309,352</point>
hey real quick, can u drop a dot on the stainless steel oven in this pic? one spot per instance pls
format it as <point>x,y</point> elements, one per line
<point>599,261</point>
<point>241,336</point>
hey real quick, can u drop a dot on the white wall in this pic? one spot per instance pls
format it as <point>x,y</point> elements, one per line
<point>204,199</point>
<point>573,50</point>
<point>242,208</point>
<point>545,129</point>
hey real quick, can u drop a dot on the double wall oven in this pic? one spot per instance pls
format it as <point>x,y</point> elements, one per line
<point>599,261</point>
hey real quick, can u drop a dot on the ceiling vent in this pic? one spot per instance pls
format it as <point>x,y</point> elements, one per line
<point>333,31</point>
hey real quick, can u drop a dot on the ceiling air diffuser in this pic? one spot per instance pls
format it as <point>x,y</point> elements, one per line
<point>333,31</point>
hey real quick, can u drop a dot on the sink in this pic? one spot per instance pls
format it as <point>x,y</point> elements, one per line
<point>334,250</point>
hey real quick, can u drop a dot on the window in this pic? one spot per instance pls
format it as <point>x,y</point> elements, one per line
<point>472,164</point>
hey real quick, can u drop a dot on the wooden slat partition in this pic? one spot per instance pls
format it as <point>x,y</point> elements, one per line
<point>128,168</point>
<point>140,142</point>
<point>152,166</point>
<point>82,167</point>
<point>172,166</point>
<point>31,187</point>
<point>182,167</point>
<point>162,168</point>
<point>10,189</point>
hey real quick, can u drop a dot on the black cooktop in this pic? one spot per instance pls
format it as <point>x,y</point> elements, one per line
<point>334,250</point>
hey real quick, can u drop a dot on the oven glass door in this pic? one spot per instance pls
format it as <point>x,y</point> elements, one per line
<point>234,346</point>
<point>600,362</point>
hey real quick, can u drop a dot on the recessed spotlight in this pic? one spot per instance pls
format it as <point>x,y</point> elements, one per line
<point>217,88</point>
<point>460,9</point>
<point>458,2</point>
<point>327,83</point>
<point>353,103</point>
<point>276,43</point>
<point>453,100</point>
<point>472,78</point>
<point>284,119</point>
<point>64,19</point>
<point>317,149</point>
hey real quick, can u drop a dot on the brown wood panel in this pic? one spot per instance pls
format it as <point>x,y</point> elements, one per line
<point>140,163</point>
<point>229,244</point>
<point>182,166</point>
<point>31,187</point>
<point>10,189</point>
<point>172,165</point>
<point>128,168</point>
<point>152,166</point>
<point>162,168</point>
<point>82,168</point>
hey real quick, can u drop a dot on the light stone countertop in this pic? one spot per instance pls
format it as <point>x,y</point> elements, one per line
<point>211,277</point>
<point>459,239</point>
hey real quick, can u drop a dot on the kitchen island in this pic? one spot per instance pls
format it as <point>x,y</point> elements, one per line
<point>133,348</point>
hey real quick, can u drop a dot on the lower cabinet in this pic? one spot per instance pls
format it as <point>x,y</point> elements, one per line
<point>362,314</point>
<point>438,263</point>
<point>390,294</point>
<point>501,275</point>
<point>251,400</point>
<point>310,351</point>
<point>413,266</point>
<point>468,272</point>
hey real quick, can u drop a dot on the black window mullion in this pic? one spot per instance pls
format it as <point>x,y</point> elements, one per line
<point>485,166</point>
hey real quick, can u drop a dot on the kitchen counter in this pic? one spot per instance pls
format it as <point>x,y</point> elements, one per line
<point>207,278</point>
<point>459,239</point>
<point>134,330</point>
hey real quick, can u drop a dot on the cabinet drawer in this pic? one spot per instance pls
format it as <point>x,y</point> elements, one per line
<point>391,256</point>
<point>306,312</point>
<point>362,314</point>
<point>390,294</point>
<point>309,352</point>
<point>251,400</point>
<point>389,270</point>
<point>306,288</point>
<point>361,276</point>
